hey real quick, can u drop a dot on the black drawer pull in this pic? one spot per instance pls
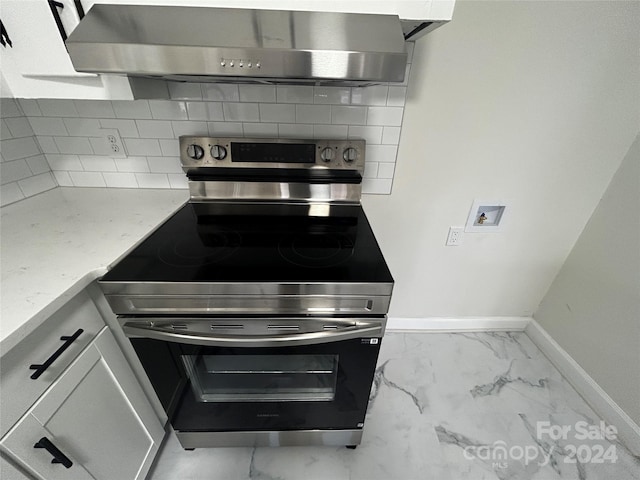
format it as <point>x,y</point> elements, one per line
<point>58,456</point>
<point>40,368</point>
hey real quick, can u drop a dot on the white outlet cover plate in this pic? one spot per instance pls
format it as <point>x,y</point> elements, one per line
<point>494,210</point>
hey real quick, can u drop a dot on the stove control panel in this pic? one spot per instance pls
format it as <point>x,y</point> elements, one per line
<point>202,153</point>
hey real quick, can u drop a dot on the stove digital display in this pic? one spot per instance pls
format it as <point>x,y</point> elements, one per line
<point>273,152</point>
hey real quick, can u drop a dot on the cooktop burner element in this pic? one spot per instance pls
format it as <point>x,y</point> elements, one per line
<point>188,251</point>
<point>316,250</point>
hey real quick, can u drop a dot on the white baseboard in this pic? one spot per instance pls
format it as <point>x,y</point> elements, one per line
<point>594,395</point>
<point>459,324</point>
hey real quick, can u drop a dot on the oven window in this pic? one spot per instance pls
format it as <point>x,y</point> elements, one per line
<point>262,378</point>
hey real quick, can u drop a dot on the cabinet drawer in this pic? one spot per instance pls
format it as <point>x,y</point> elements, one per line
<point>19,390</point>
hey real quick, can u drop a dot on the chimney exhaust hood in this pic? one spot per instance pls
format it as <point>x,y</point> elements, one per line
<point>204,44</point>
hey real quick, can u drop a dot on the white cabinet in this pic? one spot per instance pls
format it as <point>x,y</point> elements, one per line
<point>96,415</point>
<point>38,65</point>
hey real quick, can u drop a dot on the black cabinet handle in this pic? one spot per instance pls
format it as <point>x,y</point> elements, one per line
<point>4,36</point>
<point>53,5</point>
<point>40,368</point>
<point>58,456</point>
<point>79,8</point>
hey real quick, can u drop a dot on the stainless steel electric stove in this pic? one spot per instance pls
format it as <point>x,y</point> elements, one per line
<point>258,308</point>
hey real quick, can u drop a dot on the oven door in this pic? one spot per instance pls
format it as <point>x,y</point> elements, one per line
<point>215,375</point>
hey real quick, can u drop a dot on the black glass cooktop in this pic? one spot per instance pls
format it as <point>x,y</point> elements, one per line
<point>257,243</point>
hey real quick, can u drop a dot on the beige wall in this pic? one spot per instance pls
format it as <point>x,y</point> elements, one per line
<point>593,306</point>
<point>535,103</point>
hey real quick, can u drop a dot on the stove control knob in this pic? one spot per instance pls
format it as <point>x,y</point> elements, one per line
<point>195,152</point>
<point>327,154</point>
<point>218,152</point>
<point>350,155</point>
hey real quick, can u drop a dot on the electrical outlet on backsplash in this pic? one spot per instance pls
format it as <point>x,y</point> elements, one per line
<point>71,133</point>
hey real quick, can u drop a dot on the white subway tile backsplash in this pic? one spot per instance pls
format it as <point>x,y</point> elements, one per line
<point>120,180</point>
<point>205,111</point>
<point>330,131</point>
<point>15,148</point>
<point>10,193</point>
<point>386,170</point>
<point>152,180</point>
<point>241,112</point>
<point>70,135</point>
<point>170,148</point>
<point>74,145</point>
<point>63,178</point>
<point>257,93</point>
<point>87,179</point>
<point>313,114</point>
<point>391,135</point>
<point>225,129</point>
<point>18,127</point>
<point>136,109</point>
<point>126,128</point>
<point>94,109</point>
<point>57,107</point>
<point>47,126</point>
<point>277,113</point>
<point>82,127</point>
<point>100,146</point>
<point>372,135</point>
<point>349,115</point>
<point>189,128</point>
<point>382,153</point>
<point>30,107</point>
<point>154,129</point>
<point>97,164</point>
<point>294,94</point>
<point>374,95</point>
<point>380,186</point>
<point>132,164</point>
<point>332,95</point>
<point>38,164</point>
<point>260,129</point>
<point>185,91</point>
<point>63,162</point>
<point>397,96</point>
<point>164,165</point>
<point>370,169</point>
<point>288,130</point>
<point>142,146</point>
<point>47,145</point>
<point>14,171</point>
<point>168,110</point>
<point>220,92</point>
<point>4,130</point>
<point>10,108</point>
<point>391,116</point>
<point>177,180</point>
<point>37,184</point>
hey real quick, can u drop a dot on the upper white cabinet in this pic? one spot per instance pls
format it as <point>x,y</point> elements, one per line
<point>37,64</point>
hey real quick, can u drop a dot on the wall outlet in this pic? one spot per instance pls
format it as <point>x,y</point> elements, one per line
<point>455,236</point>
<point>114,142</point>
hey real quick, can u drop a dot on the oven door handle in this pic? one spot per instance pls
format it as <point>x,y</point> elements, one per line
<point>137,330</point>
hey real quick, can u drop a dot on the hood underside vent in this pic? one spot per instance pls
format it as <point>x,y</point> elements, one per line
<point>239,45</point>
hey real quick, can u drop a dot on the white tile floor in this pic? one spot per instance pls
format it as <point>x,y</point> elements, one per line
<point>445,407</point>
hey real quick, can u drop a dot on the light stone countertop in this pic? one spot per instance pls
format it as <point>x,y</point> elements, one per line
<point>56,243</point>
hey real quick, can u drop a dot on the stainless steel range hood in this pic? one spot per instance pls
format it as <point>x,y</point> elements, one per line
<point>239,45</point>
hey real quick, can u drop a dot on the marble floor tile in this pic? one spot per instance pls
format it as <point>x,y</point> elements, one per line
<point>463,406</point>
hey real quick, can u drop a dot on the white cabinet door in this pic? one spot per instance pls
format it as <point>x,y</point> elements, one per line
<point>96,415</point>
<point>38,65</point>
